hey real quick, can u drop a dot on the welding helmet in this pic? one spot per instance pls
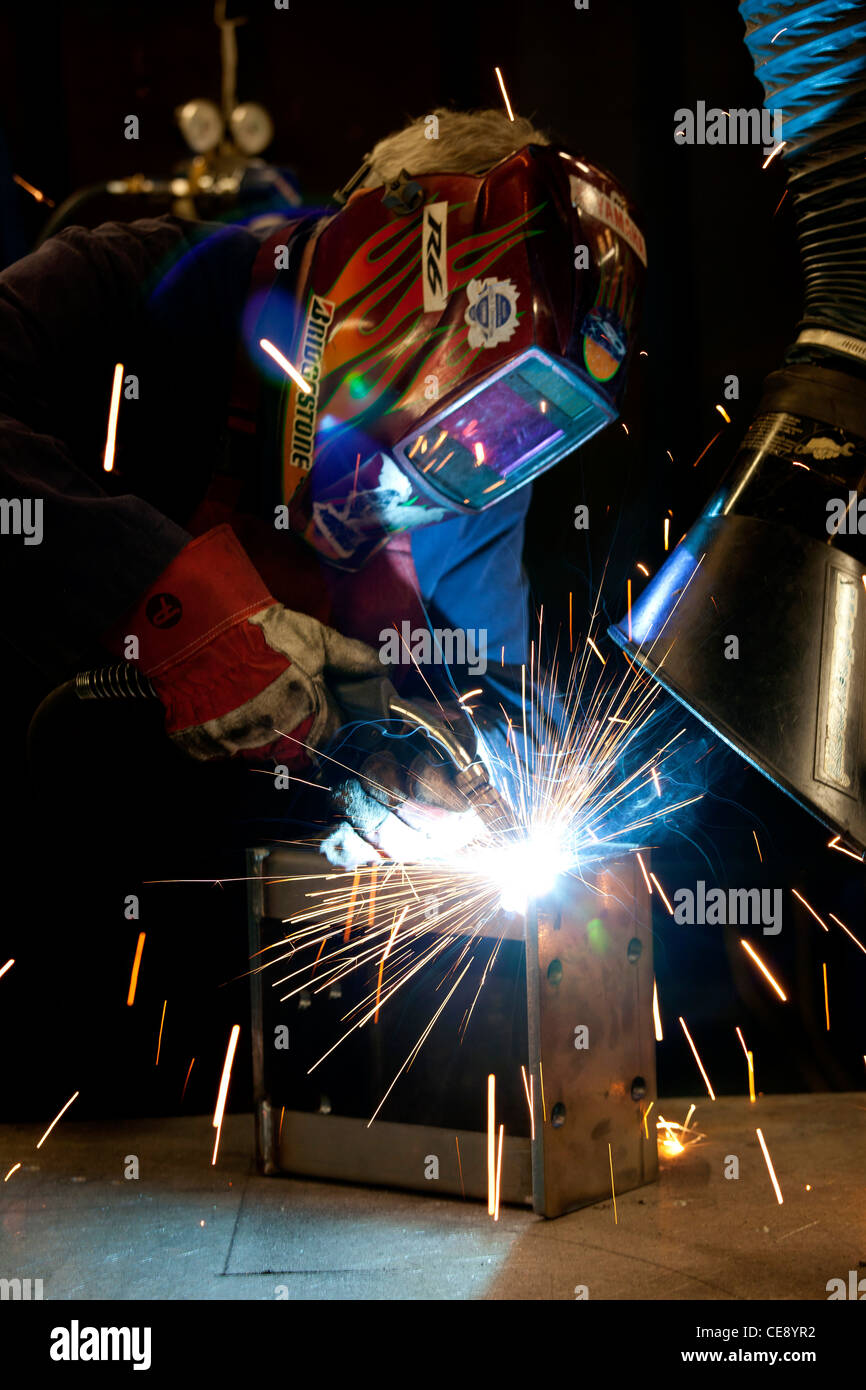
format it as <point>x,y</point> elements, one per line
<point>459,335</point>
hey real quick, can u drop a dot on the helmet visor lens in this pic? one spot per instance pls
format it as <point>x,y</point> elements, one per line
<point>515,424</point>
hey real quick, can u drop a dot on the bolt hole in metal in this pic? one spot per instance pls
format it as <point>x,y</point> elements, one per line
<point>638,1088</point>
<point>554,972</point>
<point>557,1115</point>
<point>633,950</point>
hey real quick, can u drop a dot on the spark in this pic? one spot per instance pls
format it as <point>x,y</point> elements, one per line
<point>371,910</point>
<point>781,201</point>
<point>13,1169</point>
<point>670,1143</point>
<point>770,1168</point>
<point>724,414</point>
<point>351,908</point>
<point>224,1088</point>
<point>133,979</point>
<point>34,192</point>
<point>479,454</point>
<point>838,924</point>
<point>809,909</point>
<point>706,449</point>
<point>469,695</point>
<point>743,1042</point>
<point>750,1058</point>
<point>568,803</point>
<point>498,1172</point>
<point>186,1083</point>
<point>114,407</point>
<point>628,590</point>
<point>657,1018</point>
<point>763,969</point>
<point>655,778</point>
<point>675,1134</point>
<point>776,36</point>
<point>667,533</point>
<point>491,1147</point>
<point>649,886</point>
<point>528,1088</point>
<point>643,569</point>
<point>612,1188</point>
<point>757,846</point>
<point>274,353</point>
<point>504,94</point>
<point>56,1118</point>
<point>834,843</point>
<point>826,997</point>
<point>663,894</point>
<point>543,1101</point>
<point>712,1094</point>
<point>159,1040</point>
<point>772,155</point>
<point>624,425</point>
<point>8,966</point>
<point>646,1117</point>
<point>394,930</point>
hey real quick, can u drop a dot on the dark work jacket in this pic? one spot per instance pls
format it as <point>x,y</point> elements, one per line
<point>166,298</point>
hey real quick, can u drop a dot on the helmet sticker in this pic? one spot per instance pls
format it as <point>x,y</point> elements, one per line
<point>610,210</point>
<point>491,313</point>
<point>605,343</point>
<point>319,317</point>
<point>434,257</point>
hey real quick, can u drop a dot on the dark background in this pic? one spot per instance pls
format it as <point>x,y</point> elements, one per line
<point>86,827</point>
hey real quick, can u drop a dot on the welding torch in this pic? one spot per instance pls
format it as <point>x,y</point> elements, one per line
<point>374,699</point>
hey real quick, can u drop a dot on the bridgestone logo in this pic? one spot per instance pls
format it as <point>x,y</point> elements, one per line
<point>313,343</point>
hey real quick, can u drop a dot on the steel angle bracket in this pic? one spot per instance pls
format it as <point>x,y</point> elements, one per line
<point>589,980</point>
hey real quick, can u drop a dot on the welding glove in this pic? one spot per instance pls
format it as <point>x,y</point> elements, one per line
<point>235,670</point>
<point>400,805</point>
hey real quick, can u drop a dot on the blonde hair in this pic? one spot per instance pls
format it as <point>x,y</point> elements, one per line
<point>467,142</point>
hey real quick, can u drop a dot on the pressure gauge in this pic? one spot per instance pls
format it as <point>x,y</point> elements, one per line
<point>201,125</point>
<point>252,128</point>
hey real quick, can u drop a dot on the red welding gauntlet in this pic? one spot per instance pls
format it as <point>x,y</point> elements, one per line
<point>235,670</point>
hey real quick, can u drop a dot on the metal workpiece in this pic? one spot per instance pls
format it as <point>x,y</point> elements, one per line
<point>570,999</point>
<point>589,982</point>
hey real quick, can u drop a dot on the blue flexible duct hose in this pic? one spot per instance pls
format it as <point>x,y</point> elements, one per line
<point>810,57</point>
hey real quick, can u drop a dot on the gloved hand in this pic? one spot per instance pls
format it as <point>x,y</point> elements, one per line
<point>402,805</point>
<point>235,670</point>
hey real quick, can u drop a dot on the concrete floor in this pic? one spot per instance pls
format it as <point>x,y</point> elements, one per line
<point>185,1230</point>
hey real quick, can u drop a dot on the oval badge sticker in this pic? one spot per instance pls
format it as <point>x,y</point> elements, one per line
<point>491,313</point>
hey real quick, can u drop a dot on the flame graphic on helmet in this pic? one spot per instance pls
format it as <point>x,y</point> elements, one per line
<point>382,341</point>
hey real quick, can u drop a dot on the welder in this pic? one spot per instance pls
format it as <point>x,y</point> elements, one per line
<point>321,437</point>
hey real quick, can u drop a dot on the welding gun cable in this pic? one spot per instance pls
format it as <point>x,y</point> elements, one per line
<point>122,681</point>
